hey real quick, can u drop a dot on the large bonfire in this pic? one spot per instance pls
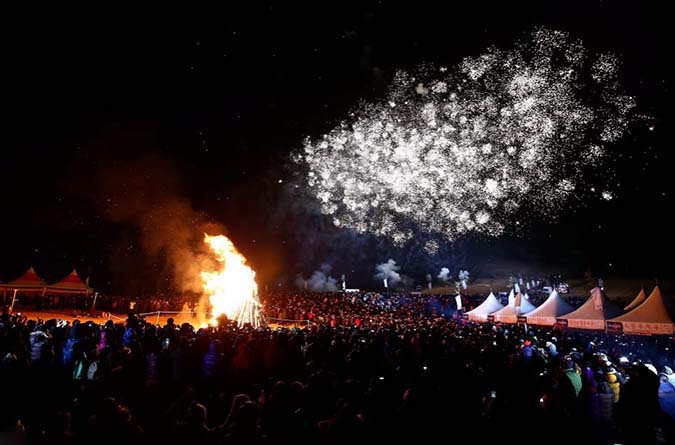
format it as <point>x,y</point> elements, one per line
<point>232,288</point>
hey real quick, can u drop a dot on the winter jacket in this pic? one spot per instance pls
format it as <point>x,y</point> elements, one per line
<point>614,385</point>
<point>210,360</point>
<point>69,351</point>
<point>40,347</point>
<point>575,379</point>
<point>606,401</point>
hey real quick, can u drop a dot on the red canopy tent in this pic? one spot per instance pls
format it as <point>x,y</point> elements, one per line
<point>71,284</point>
<point>30,281</point>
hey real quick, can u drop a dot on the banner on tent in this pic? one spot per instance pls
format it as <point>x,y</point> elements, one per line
<point>522,319</point>
<point>491,318</point>
<point>562,322</point>
<point>549,321</point>
<point>647,328</point>
<point>586,324</point>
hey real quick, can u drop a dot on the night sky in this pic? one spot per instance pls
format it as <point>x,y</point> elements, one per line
<point>207,105</point>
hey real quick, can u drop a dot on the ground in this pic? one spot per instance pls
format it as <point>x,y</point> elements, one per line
<point>619,289</point>
<point>119,318</point>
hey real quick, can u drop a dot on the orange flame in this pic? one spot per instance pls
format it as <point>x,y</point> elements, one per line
<point>232,289</point>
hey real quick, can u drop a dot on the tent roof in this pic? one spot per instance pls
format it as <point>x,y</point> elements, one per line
<point>510,309</point>
<point>653,310</point>
<point>29,280</point>
<point>525,305</point>
<point>490,305</point>
<point>554,306</point>
<point>70,284</point>
<point>587,311</point>
<point>641,296</point>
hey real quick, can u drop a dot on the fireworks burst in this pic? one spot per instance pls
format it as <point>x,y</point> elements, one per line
<point>461,150</point>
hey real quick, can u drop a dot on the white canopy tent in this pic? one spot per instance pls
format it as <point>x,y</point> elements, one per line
<point>490,305</point>
<point>637,301</point>
<point>593,313</point>
<point>552,308</point>
<point>650,317</point>
<point>517,306</point>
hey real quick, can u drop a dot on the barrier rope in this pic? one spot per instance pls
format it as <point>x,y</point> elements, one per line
<point>115,317</point>
<point>166,312</point>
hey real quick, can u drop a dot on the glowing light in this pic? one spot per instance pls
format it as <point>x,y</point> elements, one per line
<point>461,150</point>
<point>232,289</point>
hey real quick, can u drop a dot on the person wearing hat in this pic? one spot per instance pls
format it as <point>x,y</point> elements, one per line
<point>667,395</point>
<point>552,349</point>
<point>638,410</point>
<point>527,351</point>
<point>664,385</point>
<point>607,396</point>
<point>652,368</point>
<point>41,349</point>
<point>670,375</point>
<point>614,385</point>
<point>570,371</point>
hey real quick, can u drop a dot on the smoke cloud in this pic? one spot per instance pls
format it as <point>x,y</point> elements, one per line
<point>444,274</point>
<point>388,271</point>
<point>320,281</point>
<point>464,277</point>
<point>143,196</point>
<point>300,282</point>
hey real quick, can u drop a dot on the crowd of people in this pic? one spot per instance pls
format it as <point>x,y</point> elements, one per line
<point>85,303</point>
<point>292,306</point>
<point>368,367</point>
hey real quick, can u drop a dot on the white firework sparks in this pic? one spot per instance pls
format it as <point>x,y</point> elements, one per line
<point>431,247</point>
<point>462,150</point>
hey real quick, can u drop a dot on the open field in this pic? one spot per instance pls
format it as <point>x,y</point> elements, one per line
<point>620,289</point>
<point>120,318</point>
